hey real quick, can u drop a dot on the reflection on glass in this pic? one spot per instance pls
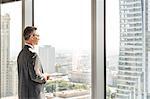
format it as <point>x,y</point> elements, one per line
<point>65,46</point>
<point>10,47</point>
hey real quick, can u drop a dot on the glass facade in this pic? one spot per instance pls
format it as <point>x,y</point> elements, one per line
<point>131,62</point>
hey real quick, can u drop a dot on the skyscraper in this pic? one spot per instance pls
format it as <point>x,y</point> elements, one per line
<point>47,57</point>
<point>5,86</point>
<point>8,67</point>
<point>134,57</point>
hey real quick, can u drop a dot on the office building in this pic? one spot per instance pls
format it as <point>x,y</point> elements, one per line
<point>134,54</point>
<point>47,57</point>
<point>6,87</point>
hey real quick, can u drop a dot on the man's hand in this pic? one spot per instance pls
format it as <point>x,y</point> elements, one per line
<point>46,76</point>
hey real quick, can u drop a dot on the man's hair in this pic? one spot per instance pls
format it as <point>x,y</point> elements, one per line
<point>28,31</point>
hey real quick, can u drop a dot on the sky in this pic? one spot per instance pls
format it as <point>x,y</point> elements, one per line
<point>112,27</point>
<point>63,24</point>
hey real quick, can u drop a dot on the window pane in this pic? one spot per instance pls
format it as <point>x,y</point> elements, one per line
<point>127,39</point>
<point>11,34</point>
<point>65,46</point>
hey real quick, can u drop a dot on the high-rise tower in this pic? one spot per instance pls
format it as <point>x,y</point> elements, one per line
<point>134,56</point>
<point>47,57</point>
<point>5,55</point>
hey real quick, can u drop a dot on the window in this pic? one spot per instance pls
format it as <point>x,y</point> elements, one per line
<point>65,46</point>
<point>11,23</point>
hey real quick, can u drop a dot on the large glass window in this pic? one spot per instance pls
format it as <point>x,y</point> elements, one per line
<point>65,46</point>
<point>11,34</point>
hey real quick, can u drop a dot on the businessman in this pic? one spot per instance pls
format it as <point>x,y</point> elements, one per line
<point>31,76</point>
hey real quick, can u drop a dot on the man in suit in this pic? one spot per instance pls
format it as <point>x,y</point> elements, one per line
<point>31,77</point>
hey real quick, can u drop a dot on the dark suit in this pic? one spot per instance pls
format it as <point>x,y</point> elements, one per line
<point>29,85</point>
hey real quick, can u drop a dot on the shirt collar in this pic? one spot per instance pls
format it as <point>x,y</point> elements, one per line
<point>29,45</point>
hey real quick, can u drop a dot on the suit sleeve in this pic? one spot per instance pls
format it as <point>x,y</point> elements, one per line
<point>31,66</point>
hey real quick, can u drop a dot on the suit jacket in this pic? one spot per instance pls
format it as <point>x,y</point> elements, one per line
<point>29,84</point>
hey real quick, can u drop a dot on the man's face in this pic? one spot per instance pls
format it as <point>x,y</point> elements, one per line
<point>35,38</point>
